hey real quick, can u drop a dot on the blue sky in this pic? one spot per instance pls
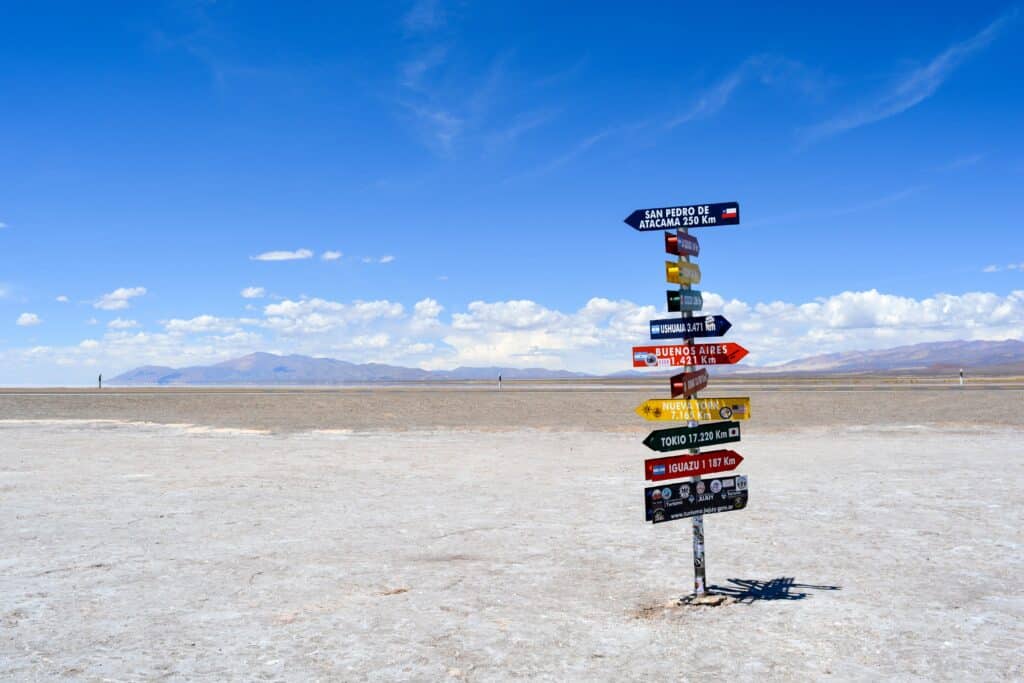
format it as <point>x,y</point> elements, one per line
<point>472,163</point>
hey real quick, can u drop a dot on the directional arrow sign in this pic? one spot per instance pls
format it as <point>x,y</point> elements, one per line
<point>681,354</point>
<point>688,328</point>
<point>686,300</point>
<point>678,438</point>
<point>697,465</point>
<point>681,244</point>
<point>688,383</point>
<point>705,497</point>
<point>682,273</point>
<point>693,216</point>
<point>699,409</point>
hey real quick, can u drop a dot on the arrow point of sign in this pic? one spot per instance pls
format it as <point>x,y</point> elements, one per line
<point>649,441</point>
<point>738,353</point>
<point>633,219</point>
<point>726,325</point>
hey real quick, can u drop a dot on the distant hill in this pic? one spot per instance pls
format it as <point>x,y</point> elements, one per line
<point>992,357</point>
<point>1003,357</point>
<point>268,368</point>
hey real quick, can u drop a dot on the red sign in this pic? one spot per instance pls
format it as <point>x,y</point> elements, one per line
<point>697,465</point>
<point>685,354</point>
<point>688,383</point>
<point>681,244</point>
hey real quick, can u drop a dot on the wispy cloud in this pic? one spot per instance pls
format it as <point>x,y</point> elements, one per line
<point>2,225</point>
<point>962,162</point>
<point>1009,266</point>
<point>423,16</point>
<point>62,299</point>
<point>768,70</point>
<point>520,125</point>
<point>388,258</point>
<point>914,87</point>
<point>331,255</point>
<point>297,255</point>
<point>837,211</point>
<point>415,70</point>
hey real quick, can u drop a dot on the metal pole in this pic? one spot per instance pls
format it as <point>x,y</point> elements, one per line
<point>699,571</point>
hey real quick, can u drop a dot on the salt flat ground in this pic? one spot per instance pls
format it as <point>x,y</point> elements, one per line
<point>882,541</point>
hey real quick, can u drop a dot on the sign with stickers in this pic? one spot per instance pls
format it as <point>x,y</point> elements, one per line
<point>704,497</point>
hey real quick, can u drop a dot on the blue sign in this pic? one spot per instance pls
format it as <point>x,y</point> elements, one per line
<point>688,328</point>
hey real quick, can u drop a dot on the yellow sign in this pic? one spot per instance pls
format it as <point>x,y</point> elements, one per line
<point>678,410</point>
<point>682,273</point>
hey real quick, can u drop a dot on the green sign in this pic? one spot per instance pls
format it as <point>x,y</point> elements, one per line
<point>679,438</point>
<point>686,300</point>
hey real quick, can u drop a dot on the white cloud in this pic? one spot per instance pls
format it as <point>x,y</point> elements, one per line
<point>297,255</point>
<point>201,324</point>
<point>914,87</point>
<point>595,337</point>
<point>990,269</point>
<point>2,225</point>
<point>28,319</point>
<point>313,316</point>
<point>387,259</point>
<point>62,299</point>
<point>121,324</point>
<point>89,344</point>
<point>119,299</point>
<point>331,255</point>
<point>253,293</point>
<point>383,259</point>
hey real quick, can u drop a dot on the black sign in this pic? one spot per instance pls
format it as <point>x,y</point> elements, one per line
<point>689,499</point>
<point>694,216</point>
<point>679,438</point>
<point>686,300</point>
<point>688,328</point>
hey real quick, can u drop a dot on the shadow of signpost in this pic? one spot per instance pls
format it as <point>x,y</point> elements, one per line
<point>782,588</point>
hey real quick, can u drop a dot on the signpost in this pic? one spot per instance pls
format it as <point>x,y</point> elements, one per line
<point>681,244</point>
<point>678,438</point>
<point>688,328</point>
<point>677,409</point>
<point>686,300</point>
<point>677,355</point>
<point>681,273</point>
<point>697,496</point>
<point>692,216</point>
<point>676,466</point>
<point>688,383</point>
<point>700,497</point>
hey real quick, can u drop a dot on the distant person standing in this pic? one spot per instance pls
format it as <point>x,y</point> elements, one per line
<point>99,381</point>
<point>499,382</point>
<point>961,376</point>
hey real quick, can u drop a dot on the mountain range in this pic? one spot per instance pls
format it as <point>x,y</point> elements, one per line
<point>977,357</point>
